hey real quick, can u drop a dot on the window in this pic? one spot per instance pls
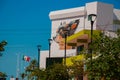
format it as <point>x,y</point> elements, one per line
<point>79,49</point>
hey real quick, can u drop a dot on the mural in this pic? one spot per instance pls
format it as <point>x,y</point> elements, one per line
<point>60,34</point>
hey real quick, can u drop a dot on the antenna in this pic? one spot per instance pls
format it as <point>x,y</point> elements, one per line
<point>17,68</point>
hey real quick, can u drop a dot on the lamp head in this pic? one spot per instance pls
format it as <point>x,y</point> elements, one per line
<point>50,40</point>
<point>92,17</point>
<point>38,46</point>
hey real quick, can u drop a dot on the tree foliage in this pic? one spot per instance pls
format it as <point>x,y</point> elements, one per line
<point>33,72</point>
<point>3,75</point>
<point>30,69</point>
<point>31,66</point>
<point>107,63</point>
<point>2,44</point>
<point>57,72</point>
<point>53,72</point>
<point>23,75</point>
<point>76,70</point>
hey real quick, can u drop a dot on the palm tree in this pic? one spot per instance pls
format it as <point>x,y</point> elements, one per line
<point>32,66</point>
<point>23,75</point>
<point>2,44</point>
<point>3,75</point>
<point>29,69</point>
<point>39,74</point>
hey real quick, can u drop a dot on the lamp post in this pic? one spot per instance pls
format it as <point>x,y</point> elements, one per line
<point>91,18</point>
<point>38,46</point>
<point>50,41</point>
<point>65,36</point>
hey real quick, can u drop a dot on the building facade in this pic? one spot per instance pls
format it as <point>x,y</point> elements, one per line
<point>75,21</point>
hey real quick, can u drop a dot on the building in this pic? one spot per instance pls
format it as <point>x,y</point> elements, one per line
<point>76,21</point>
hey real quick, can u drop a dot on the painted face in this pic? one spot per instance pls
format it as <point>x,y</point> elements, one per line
<point>60,35</point>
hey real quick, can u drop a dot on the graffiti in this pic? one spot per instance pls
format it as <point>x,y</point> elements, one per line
<point>71,27</point>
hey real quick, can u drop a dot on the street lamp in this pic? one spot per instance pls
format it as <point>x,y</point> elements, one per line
<point>38,46</point>
<point>65,36</point>
<point>91,18</point>
<point>50,41</point>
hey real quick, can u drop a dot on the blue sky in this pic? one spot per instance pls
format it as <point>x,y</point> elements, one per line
<point>25,23</point>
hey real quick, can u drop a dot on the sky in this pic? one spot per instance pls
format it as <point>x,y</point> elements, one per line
<point>24,24</point>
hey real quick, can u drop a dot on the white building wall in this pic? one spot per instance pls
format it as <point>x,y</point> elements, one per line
<point>55,24</point>
<point>67,15</point>
<point>104,16</point>
<point>116,14</point>
<point>55,51</point>
<point>104,21</point>
<point>43,56</point>
<point>91,8</point>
